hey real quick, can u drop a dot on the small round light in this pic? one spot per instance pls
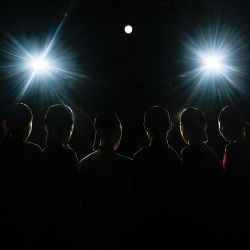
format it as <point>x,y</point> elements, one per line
<point>128,29</point>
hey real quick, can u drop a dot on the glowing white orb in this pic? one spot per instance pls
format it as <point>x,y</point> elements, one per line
<point>128,29</point>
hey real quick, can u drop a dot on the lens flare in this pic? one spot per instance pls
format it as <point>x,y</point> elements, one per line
<point>215,61</point>
<point>29,62</point>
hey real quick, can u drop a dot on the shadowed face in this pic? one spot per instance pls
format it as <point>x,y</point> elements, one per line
<point>113,138</point>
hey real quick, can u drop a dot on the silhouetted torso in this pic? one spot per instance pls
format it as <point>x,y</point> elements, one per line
<point>157,170</point>
<point>236,158</point>
<point>20,162</point>
<point>105,186</point>
<point>202,192</point>
<point>60,165</point>
<point>59,193</point>
<point>200,163</point>
<point>202,173</point>
<point>236,165</point>
<point>19,170</point>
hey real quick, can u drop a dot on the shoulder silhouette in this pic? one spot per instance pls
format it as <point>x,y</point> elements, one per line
<point>105,182</point>
<point>196,154</point>
<point>60,182</point>
<point>157,169</point>
<point>202,177</point>
<point>157,159</point>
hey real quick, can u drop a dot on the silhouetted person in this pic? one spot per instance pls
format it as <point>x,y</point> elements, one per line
<point>232,129</point>
<point>202,177</point>
<point>59,183</point>
<point>18,175</point>
<point>157,169</point>
<point>236,165</point>
<point>105,186</point>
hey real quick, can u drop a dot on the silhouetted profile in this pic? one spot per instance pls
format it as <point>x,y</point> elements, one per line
<point>236,165</point>
<point>157,169</point>
<point>18,174</point>
<point>105,186</point>
<point>202,177</point>
<point>59,183</point>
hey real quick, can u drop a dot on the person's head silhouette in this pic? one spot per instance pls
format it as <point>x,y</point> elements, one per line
<point>193,126</point>
<point>157,123</point>
<point>108,131</point>
<point>231,126</point>
<point>59,124</point>
<point>20,122</point>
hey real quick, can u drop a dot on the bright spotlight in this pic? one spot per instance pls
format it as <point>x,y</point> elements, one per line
<point>211,58</point>
<point>128,29</point>
<point>216,63</point>
<point>212,63</point>
<point>31,63</point>
<point>39,65</point>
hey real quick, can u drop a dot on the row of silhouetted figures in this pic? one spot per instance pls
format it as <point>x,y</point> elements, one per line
<point>157,200</point>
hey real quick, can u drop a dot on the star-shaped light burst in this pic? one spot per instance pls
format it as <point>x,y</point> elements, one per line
<point>40,65</point>
<point>29,64</point>
<point>215,59</point>
<point>45,63</point>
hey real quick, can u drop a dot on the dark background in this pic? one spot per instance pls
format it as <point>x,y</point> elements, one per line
<point>125,73</point>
